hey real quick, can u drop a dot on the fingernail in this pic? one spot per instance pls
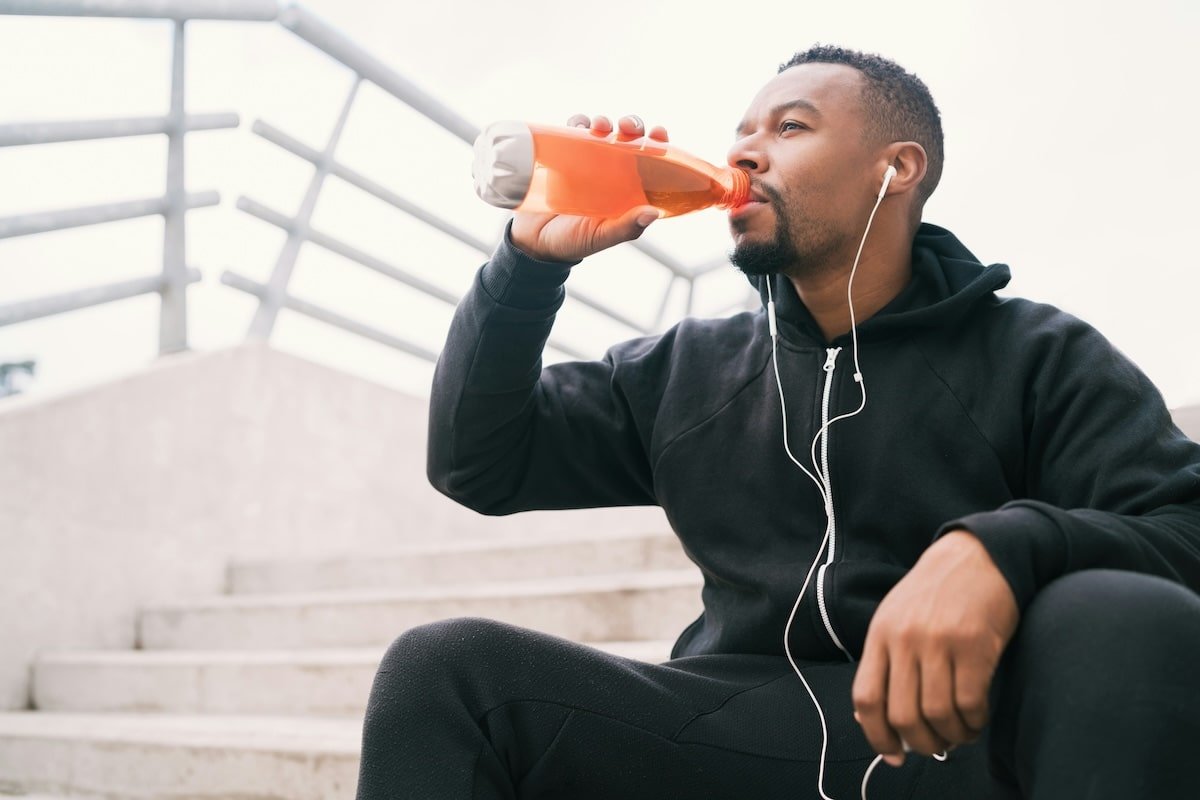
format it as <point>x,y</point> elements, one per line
<point>895,759</point>
<point>644,219</point>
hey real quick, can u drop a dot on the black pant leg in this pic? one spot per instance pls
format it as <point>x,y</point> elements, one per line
<point>1097,697</point>
<point>1098,694</point>
<point>473,709</point>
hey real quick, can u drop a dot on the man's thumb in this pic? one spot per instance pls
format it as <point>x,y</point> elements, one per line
<point>645,216</point>
<point>628,226</point>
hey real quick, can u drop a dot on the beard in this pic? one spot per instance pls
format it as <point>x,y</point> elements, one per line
<point>779,254</point>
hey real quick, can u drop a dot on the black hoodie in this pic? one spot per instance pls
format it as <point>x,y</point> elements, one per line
<point>1010,419</point>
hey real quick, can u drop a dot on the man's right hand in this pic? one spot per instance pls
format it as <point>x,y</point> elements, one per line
<point>559,237</point>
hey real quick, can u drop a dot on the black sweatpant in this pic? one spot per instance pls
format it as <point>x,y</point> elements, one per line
<point>1096,697</point>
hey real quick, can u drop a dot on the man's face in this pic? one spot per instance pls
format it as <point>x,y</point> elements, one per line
<point>802,142</point>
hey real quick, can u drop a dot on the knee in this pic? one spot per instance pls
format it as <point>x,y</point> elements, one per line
<point>450,654</point>
<point>1102,628</point>
<point>1100,609</point>
<point>432,667</point>
<point>1100,657</point>
<point>440,646</point>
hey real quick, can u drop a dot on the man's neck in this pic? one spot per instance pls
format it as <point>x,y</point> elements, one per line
<point>882,275</point>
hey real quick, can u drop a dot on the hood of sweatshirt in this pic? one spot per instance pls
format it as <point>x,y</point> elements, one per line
<point>947,281</point>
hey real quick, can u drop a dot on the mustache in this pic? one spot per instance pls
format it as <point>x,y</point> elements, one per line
<point>769,191</point>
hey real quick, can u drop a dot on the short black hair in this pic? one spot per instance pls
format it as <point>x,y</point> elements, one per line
<point>898,105</point>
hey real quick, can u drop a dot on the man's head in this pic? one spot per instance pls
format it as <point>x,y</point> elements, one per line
<point>817,140</point>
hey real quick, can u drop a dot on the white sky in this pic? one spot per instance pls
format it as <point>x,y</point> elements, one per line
<point>1070,155</point>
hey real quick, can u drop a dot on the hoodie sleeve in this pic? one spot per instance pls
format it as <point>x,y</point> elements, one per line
<point>1111,481</point>
<point>506,435</point>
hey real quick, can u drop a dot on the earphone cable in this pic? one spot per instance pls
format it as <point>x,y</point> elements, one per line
<point>826,491</point>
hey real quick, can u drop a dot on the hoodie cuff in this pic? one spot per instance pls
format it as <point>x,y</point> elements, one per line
<point>1027,547</point>
<point>514,279</point>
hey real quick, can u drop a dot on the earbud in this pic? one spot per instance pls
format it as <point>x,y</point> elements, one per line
<point>888,174</point>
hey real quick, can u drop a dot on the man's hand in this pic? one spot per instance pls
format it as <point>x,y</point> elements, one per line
<point>559,237</point>
<point>932,649</point>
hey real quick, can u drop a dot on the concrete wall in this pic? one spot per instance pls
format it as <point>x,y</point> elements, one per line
<point>145,487</point>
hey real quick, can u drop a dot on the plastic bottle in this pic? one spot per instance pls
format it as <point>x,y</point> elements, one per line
<point>574,171</point>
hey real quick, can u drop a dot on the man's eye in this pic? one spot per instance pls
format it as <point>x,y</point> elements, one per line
<point>791,124</point>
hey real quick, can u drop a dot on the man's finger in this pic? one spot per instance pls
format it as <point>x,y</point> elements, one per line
<point>869,695</point>
<point>973,678</point>
<point>904,705</point>
<point>630,127</point>
<point>938,705</point>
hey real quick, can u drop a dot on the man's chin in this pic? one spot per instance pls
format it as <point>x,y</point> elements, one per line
<point>759,258</point>
<point>750,241</point>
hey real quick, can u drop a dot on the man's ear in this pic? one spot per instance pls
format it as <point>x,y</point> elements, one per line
<point>910,162</point>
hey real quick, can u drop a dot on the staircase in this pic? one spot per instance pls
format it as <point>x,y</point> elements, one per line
<point>260,692</point>
<point>205,560</point>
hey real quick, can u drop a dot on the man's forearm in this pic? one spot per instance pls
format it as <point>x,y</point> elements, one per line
<point>488,369</point>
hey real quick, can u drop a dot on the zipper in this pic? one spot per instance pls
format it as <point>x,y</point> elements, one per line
<point>830,366</point>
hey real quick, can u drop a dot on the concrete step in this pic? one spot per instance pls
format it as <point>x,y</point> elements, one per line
<point>655,604</point>
<point>277,682</point>
<point>483,560</point>
<point>153,757</point>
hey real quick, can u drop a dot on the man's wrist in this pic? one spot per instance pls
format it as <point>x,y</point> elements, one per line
<point>514,278</point>
<point>526,242</point>
<point>529,251</point>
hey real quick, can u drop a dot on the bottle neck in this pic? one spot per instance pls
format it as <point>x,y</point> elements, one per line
<point>737,187</point>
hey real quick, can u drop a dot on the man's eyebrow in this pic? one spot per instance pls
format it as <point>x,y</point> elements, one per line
<point>791,105</point>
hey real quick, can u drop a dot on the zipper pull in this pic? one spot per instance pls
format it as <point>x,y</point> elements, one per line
<point>831,357</point>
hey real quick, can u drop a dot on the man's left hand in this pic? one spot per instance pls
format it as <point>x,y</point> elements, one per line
<point>932,649</point>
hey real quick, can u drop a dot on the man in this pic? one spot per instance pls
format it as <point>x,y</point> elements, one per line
<point>996,554</point>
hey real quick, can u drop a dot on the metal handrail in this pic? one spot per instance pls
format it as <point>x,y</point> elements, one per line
<point>175,276</point>
<point>273,295</point>
<point>380,192</point>
<point>335,245</point>
<point>77,299</point>
<point>336,45</point>
<point>179,10</point>
<point>86,130</point>
<point>64,218</point>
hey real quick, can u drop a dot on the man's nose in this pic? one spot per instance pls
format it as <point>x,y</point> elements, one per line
<point>746,154</point>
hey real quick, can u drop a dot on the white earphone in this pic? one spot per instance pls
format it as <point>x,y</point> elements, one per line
<point>888,174</point>
<point>822,487</point>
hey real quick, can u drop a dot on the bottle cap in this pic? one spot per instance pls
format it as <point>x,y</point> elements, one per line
<point>503,166</point>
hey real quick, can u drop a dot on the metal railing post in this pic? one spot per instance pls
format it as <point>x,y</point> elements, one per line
<point>662,306</point>
<point>172,328</point>
<point>298,231</point>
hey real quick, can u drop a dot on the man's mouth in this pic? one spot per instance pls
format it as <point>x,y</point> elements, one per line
<point>753,200</point>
